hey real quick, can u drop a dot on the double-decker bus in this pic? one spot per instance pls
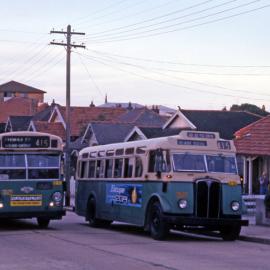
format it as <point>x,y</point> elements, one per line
<point>180,182</point>
<point>30,183</point>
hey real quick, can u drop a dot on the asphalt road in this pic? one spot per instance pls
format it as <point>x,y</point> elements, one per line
<point>71,244</point>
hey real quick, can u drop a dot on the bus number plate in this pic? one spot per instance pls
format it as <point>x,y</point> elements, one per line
<point>26,200</point>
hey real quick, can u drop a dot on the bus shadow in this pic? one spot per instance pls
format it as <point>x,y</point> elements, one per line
<point>19,225</point>
<point>174,235</point>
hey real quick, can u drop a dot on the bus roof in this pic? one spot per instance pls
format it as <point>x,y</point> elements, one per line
<point>185,140</point>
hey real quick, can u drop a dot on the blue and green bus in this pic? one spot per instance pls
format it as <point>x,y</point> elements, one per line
<point>30,183</point>
<point>182,182</point>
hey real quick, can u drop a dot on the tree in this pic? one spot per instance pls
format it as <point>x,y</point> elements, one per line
<point>249,108</point>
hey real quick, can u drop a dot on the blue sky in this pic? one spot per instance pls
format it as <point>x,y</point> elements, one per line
<point>204,62</point>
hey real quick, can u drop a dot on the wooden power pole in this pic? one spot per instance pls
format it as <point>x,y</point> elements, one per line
<point>68,46</point>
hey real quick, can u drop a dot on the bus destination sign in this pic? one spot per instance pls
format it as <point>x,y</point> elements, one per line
<point>26,142</point>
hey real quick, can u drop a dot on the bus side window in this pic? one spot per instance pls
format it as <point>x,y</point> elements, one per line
<point>83,169</point>
<point>109,167</point>
<point>100,169</point>
<point>118,165</point>
<point>91,169</point>
<point>138,167</point>
<point>128,167</point>
<point>159,161</point>
<point>152,158</point>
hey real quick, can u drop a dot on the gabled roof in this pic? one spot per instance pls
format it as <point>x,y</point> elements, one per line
<point>106,133</point>
<point>143,118</point>
<point>80,117</point>
<point>13,86</point>
<point>224,122</point>
<point>44,112</point>
<point>160,132</point>
<point>19,123</point>
<point>52,128</point>
<point>17,106</point>
<point>254,139</point>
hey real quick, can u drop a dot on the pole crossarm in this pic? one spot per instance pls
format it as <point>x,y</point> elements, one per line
<point>65,44</point>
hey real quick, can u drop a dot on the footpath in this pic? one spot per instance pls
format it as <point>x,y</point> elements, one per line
<point>256,234</point>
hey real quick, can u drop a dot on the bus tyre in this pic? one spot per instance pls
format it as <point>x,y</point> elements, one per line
<point>159,229</point>
<point>43,222</point>
<point>230,233</point>
<point>91,216</point>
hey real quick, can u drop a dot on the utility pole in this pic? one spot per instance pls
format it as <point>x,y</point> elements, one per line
<point>68,46</point>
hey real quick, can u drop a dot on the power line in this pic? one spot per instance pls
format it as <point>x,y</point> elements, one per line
<point>183,79</point>
<point>209,73</point>
<point>156,18</point>
<point>178,63</point>
<point>134,14</point>
<point>90,76</point>
<point>112,6</point>
<point>173,84</point>
<point>183,28</point>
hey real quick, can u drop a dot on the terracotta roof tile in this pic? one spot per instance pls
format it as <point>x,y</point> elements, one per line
<point>52,128</point>
<point>82,116</point>
<point>254,139</point>
<point>17,106</point>
<point>13,86</point>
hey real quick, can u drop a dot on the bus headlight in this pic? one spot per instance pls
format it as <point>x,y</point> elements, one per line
<point>57,196</point>
<point>182,203</point>
<point>235,206</point>
<point>1,205</point>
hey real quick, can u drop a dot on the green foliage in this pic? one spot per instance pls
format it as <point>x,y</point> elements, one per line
<point>249,108</point>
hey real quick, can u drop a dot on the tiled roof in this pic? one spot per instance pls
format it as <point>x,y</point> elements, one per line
<point>17,106</point>
<point>82,116</point>
<point>20,123</point>
<point>254,139</point>
<point>143,118</point>
<point>224,122</point>
<point>106,133</point>
<point>159,132</point>
<point>13,86</point>
<point>52,128</point>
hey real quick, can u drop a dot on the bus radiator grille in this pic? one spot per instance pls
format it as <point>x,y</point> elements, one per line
<point>207,194</point>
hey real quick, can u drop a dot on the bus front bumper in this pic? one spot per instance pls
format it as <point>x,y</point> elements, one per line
<point>204,222</point>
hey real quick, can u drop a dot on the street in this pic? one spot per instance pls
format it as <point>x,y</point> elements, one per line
<point>71,244</point>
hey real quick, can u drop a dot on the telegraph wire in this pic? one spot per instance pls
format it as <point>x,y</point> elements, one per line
<point>134,14</point>
<point>178,63</point>
<point>209,73</point>
<point>94,59</point>
<point>48,66</point>
<point>183,28</point>
<point>183,79</point>
<point>90,76</point>
<point>116,35</point>
<point>158,17</point>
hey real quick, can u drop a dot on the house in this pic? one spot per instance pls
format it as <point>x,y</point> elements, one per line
<point>253,145</point>
<point>80,117</point>
<point>17,123</point>
<point>15,89</point>
<point>52,128</point>
<point>17,106</point>
<point>224,122</point>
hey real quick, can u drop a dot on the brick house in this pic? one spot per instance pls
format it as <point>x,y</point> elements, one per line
<point>253,145</point>
<point>15,89</point>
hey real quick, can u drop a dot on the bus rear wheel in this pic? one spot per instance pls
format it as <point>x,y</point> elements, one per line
<point>230,233</point>
<point>91,216</point>
<point>43,223</point>
<point>159,229</point>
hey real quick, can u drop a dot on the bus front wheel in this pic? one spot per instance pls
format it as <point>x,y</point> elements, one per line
<point>43,222</point>
<point>91,215</point>
<point>230,233</point>
<point>159,229</point>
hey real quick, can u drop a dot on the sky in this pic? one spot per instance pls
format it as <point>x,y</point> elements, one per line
<point>196,54</point>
